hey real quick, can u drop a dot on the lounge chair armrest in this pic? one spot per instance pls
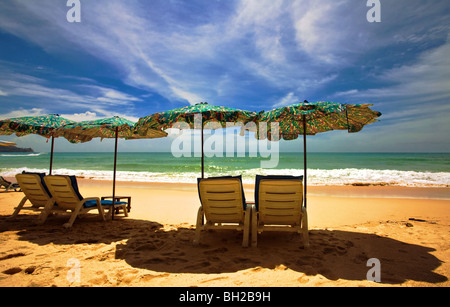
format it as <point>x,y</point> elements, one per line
<point>248,208</point>
<point>90,198</point>
<point>254,227</point>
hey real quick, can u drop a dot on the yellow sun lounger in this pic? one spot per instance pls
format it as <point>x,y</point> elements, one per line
<point>223,205</point>
<point>35,192</point>
<point>9,185</point>
<point>64,190</point>
<point>278,206</point>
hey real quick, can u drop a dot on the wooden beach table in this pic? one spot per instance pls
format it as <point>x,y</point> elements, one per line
<point>119,198</point>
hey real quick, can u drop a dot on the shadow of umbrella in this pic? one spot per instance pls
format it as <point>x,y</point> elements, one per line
<point>334,254</point>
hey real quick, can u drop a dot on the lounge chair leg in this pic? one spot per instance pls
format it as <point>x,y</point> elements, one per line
<point>198,227</point>
<point>19,207</point>
<point>254,231</point>
<point>74,215</point>
<point>246,226</point>
<point>100,210</point>
<point>45,213</point>
<point>125,210</point>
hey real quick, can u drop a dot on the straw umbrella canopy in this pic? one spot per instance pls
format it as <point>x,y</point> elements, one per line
<point>42,125</point>
<point>209,113</point>
<point>112,127</point>
<point>311,118</point>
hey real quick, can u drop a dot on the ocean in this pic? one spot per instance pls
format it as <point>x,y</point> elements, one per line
<point>398,169</point>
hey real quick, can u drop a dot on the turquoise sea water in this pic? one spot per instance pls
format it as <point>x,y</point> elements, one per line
<point>406,169</point>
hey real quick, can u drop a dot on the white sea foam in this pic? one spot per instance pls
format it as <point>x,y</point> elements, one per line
<point>23,155</point>
<point>316,177</point>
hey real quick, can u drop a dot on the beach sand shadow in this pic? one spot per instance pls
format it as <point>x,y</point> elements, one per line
<point>334,254</point>
<point>86,230</point>
<point>149,245</point>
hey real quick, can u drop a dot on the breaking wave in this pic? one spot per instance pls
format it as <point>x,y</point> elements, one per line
<point>316,177</point>
<point>23,155</point>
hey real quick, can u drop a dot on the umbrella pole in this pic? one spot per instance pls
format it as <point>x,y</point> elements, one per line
<point>114,174</point>
<point>304,157</point>
<point>203,156</point>
<point>51,155</point>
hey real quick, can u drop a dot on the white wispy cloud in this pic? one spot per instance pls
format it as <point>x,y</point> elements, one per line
<point>103,100</point>
<point>424,81</point>
<point>286,100</point>
<point>257,53</point>
<point>22,112</point>
<point>175,63</point>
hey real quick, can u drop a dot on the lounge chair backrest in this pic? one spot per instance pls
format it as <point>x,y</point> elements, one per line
<point>280,201</point>
<point>41,176</point>
<point>62,191</point>
<point>33,189</point>
<point>4,182</point>
<point>222,200</point>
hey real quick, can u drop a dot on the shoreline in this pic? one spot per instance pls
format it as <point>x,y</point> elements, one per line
<point>366,191</point>
<point>328,206</point>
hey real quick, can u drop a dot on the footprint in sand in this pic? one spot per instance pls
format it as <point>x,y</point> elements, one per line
<point>12,271</point>
<point>303,279</point>
<point>100,280</point>
<point>15,255</point>
<point>361,258</point>
<point>216,250</point>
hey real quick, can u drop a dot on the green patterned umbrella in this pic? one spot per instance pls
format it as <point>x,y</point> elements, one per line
<point>312,118</point>
<point>320,117</point>
<point>112,127</point>
<point>209,113</point>
<point>42,125</point>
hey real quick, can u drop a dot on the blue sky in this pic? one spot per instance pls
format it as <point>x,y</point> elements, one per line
<point>135,58</point>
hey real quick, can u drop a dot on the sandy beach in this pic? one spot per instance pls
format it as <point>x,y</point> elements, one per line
<point>406,229</point>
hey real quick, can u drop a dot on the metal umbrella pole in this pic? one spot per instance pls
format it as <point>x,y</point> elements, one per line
<point>51,155</point>
<point>203,154</point>
<point>114,174</point>
<point>304,158</point>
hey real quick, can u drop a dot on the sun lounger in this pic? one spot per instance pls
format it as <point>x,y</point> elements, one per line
<point>9,185</point>
<point>278,206</point>
<point>223,206</point>
<point>66,195</point>
<point>35,192</point>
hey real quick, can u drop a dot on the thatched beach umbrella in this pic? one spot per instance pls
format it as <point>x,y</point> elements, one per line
<point>311,118</point>
<point>112,127</point>
<point>209,113</point>
<point>42,125</point>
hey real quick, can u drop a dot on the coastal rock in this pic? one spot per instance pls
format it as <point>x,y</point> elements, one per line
<point>15,149</point>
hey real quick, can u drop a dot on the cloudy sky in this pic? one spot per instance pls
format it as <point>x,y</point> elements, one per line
<point>133,58</point>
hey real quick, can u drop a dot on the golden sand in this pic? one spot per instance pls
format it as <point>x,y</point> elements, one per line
<point>404,228</point>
